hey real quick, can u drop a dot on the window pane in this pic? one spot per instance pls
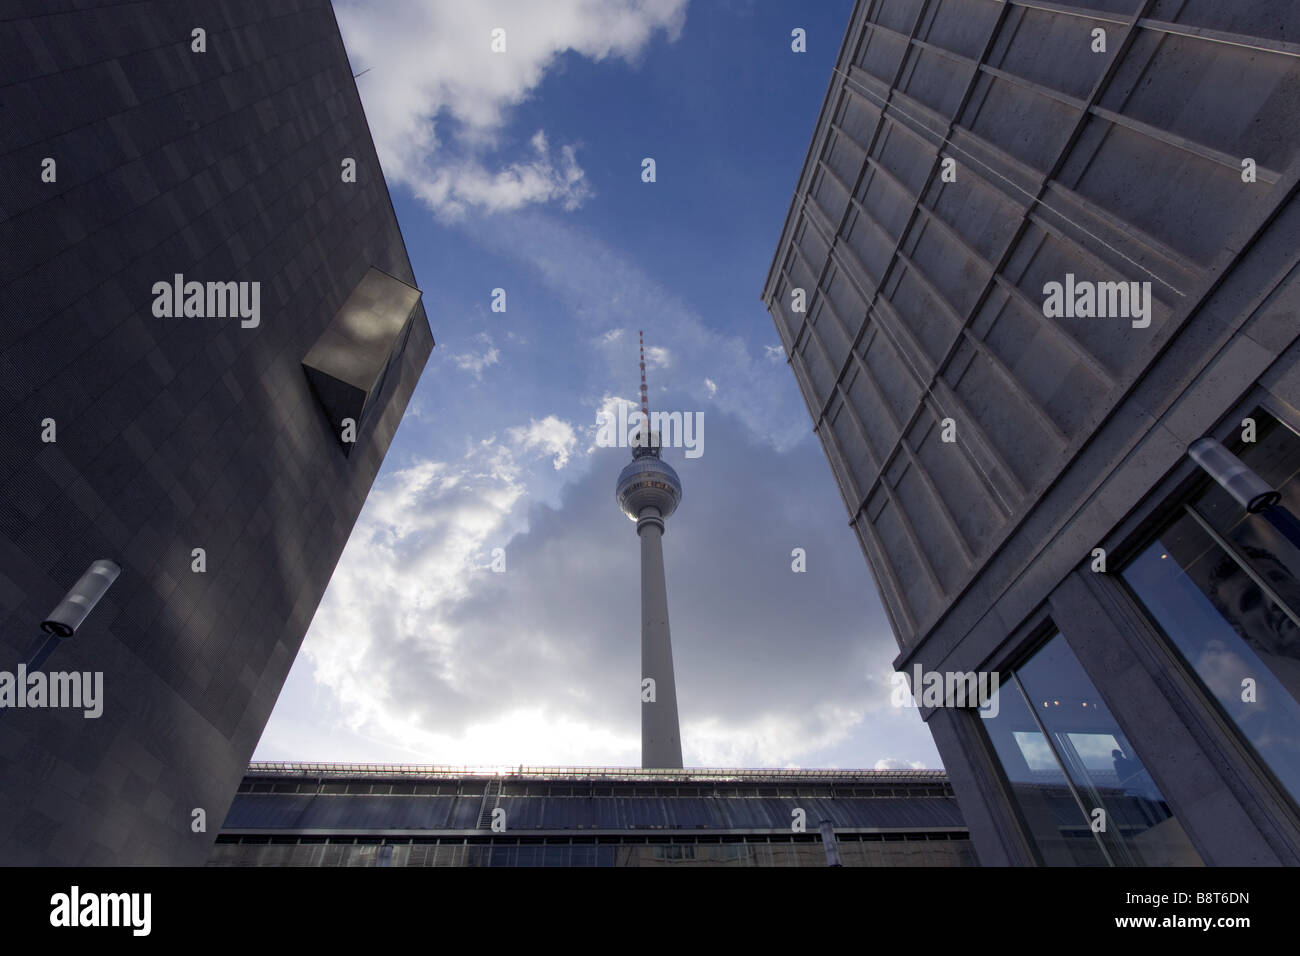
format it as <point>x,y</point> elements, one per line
<point>554,855</point>
<point>1137,826</point>
<point>529,856</point>
<point>1256,543</point>
<point>1231,634</point>
<point>1056,823</point>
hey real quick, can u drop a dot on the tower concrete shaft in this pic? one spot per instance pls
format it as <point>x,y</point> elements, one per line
<point>661,742</point>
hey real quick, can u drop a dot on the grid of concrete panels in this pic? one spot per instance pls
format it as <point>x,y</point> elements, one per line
<point>173,434</point>
<point>925,296</point>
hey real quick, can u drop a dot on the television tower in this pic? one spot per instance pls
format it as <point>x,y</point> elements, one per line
<point>648,491</point>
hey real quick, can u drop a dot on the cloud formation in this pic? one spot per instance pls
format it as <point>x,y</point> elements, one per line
<point>430,653</point>
<point>438,99</point>
<point>476,362</point>
<point>486,608</point>
<point>551,435</point>
<point>893,763</point>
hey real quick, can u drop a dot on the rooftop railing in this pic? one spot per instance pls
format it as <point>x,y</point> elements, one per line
<point>278,768</point>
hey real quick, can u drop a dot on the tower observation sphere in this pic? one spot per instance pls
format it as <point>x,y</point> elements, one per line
<point>647,481</point>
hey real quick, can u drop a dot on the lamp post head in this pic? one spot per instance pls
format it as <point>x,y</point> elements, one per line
<point>81,600</point>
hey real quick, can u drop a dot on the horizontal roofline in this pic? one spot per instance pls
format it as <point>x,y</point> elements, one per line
<point>278,768</point>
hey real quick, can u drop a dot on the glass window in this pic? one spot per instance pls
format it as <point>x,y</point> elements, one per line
<point>529,856</point>
<point>503,856</point>
<point>1047,804</point>
<point>556,855</point>
<point>1222,586</point>
<point>1080,786</point>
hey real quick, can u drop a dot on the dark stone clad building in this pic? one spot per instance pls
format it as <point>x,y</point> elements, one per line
<point>1037,252</point>
<point>395,815</point>
<point>185,435</point>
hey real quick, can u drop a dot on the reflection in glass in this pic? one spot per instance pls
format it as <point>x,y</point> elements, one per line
<point>1081,788</point>
<point>1053,816</point>
<point>1257,584</point>
<point>1107,774</point>
<point>1224,586</point>
<point>1234,637</point>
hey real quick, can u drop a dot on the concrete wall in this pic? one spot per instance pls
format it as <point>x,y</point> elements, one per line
<point>925,303</point>
<point>172,434</point>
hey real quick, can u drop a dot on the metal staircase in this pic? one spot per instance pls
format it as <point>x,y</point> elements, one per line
<point>491,797</point>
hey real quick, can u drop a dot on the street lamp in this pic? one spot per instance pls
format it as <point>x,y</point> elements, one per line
<point>71,612</point>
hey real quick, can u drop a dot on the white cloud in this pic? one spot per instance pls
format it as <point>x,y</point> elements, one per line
<point>438,99</point>
<point>550,434</point>
<point>607,410</point>
<point>656,356</point>
<point>453,188</point>
<point>894,763</point>
<point>776,740</point>
<point>476,362</point>
<point>774,353</point>
<point>712,387</point>
<point>412,553</point>
<point>419,652</point>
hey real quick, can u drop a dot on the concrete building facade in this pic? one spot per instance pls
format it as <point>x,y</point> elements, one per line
<point>402,815</point>
<point>194,435</point>
<point>1035,252</point>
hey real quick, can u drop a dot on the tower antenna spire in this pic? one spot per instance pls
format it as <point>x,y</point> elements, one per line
<point>645,399</point>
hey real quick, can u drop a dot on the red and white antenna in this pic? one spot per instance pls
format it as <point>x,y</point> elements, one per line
<point>645,400</point>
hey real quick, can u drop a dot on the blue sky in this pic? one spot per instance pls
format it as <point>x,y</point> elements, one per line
<point>522,171</point>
